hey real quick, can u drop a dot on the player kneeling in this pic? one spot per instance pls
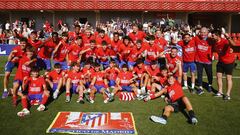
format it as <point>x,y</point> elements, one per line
<point>55,80</point>
<point>36,90</point>
<point>125,82</point>
<point>99,85</point>
<point>177,101</point>
<point>74,83</point>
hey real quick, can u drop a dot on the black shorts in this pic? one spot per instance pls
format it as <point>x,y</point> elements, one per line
<point>178,105</point>
<point>225,68</point>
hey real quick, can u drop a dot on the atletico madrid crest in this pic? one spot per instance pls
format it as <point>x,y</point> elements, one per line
<point>93,123</point>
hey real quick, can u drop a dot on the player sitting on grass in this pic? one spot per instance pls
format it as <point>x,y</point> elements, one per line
<point>23,71</point>
<point>35,87</point>
<point>177,101</point>
<point>98,84</point>
<point>140,71</point>
<point>125,82</point>
<point>153,72</point>
<point>112,72</point>
<point>162,79</point>
<point>55,80</point>
<point>74,83</point>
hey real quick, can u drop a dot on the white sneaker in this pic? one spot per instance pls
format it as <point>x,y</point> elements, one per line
<point>55,95</point>
<point>41,108</point>
<point>91,101</point>
<point>106,100</point>
<point>88,90</point>
<point>67,99</point>
<point>184,87</point>
<point>158,120</point>
<point>24,112</point>
<point>194,121</point>
<point>143,90</point>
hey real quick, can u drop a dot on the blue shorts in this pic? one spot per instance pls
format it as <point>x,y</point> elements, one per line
<point>98,87</point>
<point>35,97</point>
<point>74,89</point>
<point>44,63</point>
<point>55,85</point>
<point>9,66</point>
<point>105,64</point>
<point>63,64</point>
<point>87,84</point>
<point>131,64</point>
<point>187,65</point>
<point>147,63</point>
<point>122,63</point>
<point>127,88</point>
<point>111,83</point>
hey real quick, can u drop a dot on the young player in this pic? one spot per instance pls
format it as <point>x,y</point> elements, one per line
<point>13,59</point>
<point>36,89</point>
<point>45,52</point>
<point>103,55</point>
<point>174,64</point>
<point>60,52</point>
<point>98,84</point>
<point>162,79</point>
<point>102,37</point>
<point>74,83</point>
<point>74,51</point>
<point>152,51</point>
<point>177,102</point>
<point>140,70</point>
<point>124,50</point>
<point>125,82</point>
<point>112,72</point>
<point>136,34</point>
<point>55,80</point>
<point>137,52</point>
<point>23,71</point>
<point>189,51</point>
<point>152,72</point>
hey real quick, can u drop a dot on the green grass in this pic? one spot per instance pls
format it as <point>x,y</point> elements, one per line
<point>216,117</point>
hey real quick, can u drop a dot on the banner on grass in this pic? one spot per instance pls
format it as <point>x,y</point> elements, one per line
<point>93,123</point>
<point>5,49</point>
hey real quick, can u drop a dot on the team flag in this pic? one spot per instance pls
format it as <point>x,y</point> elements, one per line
<point>93,123</point>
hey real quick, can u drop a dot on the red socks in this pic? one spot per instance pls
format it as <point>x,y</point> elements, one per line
<point>44,100</point>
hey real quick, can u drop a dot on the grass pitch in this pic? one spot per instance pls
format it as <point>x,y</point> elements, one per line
<point>216,117</point>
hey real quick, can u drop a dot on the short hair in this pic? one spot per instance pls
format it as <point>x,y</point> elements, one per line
<point>65,34</point>
<point>151,37</point>
<point>126,37</point>
<point>35,69</point>
<point>124,66</point>
<point>74,64</point>
<point>77,26</point>
<point>186,34</point>
<point>57,65</point>
<point>102,31</point>
<point>54,33</point>
<point>139,61</point>
<point>78,37</point>
<point>163,68</point>
<point>216,32</point>
<point>139,41</point>
<point>30,49</point>
<point>23,39</point>
<point>104,43</point>
<point>153,62</point>
<point>174,48</point>
<point>93,41</point>
<point>34,32</point>
<point>96,65</point>
<point>116,33</point>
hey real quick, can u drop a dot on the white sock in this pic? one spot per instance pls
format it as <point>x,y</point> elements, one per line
<point>112,94</point>
<point>185,83</point>
<point>5,90</point>
<point>193,85</point>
